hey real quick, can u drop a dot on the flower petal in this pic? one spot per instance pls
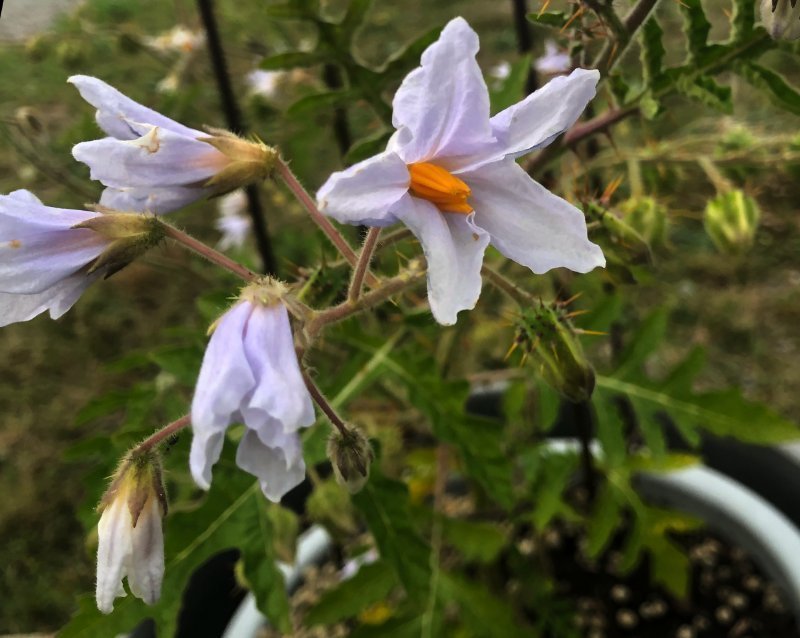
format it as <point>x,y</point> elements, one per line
<point>280,392</point>
<point>364,193</point>
<point>118,115</point>
<point>160,158</point>
<point>224,380</point>
<point>529,224</point>
<point>57,299</point>
<point>544,114</point>
<point>444,103</point>
<point>113,551</point>
<point>146,568</point>
<point>22,214</point>
<point>277,468</point>
<point>454,247</point>
<point>152,200</point>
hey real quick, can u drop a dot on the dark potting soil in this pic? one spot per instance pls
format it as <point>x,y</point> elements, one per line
<point>729,596</point>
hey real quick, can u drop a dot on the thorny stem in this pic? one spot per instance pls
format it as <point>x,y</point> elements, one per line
<point>505,285</point>
<point>393,238</point>
<point>349,308</point>
<point>209,253</point>
<point>362,267</point>
<point>159,436</point>
<point>310,205</point>
<point>613,50</point>
<point>721,183</point>
<point>323,404</point>
<point>235,122</point>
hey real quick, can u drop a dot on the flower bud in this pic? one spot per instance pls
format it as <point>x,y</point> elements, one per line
<point>546,336</point>
<point>781,18</point>
<point>648,218</point>
<point>131,235</point>
<point>351,456</point>
<point>731,221</point>
<point>249,162</point>
<point>130,538</point>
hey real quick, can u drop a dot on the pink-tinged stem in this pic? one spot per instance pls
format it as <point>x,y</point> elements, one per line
<point>323,404</point>
<point>319,219</point>
<point>162,434</point>
<point>362,267</point>
<point>209,253</point>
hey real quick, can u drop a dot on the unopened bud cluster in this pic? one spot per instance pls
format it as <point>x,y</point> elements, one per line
<point>546,337</point>
<point>351,456</point>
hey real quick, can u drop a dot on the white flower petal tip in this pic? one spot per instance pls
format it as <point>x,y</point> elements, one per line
<point>44,259</point>
<point>250,374</point>
<point>153,164</point>
<point>448,174</point>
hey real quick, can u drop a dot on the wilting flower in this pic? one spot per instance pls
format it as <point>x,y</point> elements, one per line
<point>130,538</point>
<point>250,374</point>
<point>781,18</point>
<point>49,256</point>
<point>151,163</point>
<point>554,61</point>
<point>449,174</point>
<point>233,221</point>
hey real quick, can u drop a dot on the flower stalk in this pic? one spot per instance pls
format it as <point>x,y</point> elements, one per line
<point>161,435</point>
<point>325,406</point>
<point>362,267</point>
<point>209,253</point>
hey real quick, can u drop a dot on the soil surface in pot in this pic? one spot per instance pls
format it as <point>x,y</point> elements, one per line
<point>729,596</point>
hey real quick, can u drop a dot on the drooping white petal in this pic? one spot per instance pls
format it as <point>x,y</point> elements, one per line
<point>57,299</point>
<point>22,214</point>
<point>33,263</point>
<point>146,199</point>
<point>529,224</point>
<point>444,104</point>
<point>544,114</point>
<point>120,116</point>
<point>453,245</point>
<point>146,566</point>
<point>365,192</point>
<point>224,380</point>
<point>160,158</point>
<point>280,392</point>
<point>113,551</point>
<point>277,468</point>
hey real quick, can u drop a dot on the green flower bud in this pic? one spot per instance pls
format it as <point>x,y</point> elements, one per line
<point>648,218</point>
<point>131,236</point>
<point>351,456</point>
<point>731,221</point>
<point>546,337</point>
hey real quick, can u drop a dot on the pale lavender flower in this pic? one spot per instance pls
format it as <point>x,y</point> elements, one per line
<point>44,261</point>
<point>449,174</point>
<point>501,71</point>
<point>233,221</point>
<point>250,374</point>
<point>265,84</point>
<point>150,163</point>
<point>554,61</point>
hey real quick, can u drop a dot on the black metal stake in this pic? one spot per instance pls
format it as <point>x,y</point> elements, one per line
<point>524,39</point>
<point>236,124</point>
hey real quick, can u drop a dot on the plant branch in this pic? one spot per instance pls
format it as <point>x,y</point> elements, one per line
<point>215,257</point>
<point>235,122</point>
<point>362,267</point>
<point>324,405</point>
<point>160,435</point>
<point>522,297</point>
<point>612,51</point>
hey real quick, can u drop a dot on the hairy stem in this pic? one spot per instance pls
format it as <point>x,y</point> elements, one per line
<point>325,406</point>
<point>215,257</point>
<point>235,122</point>
<point>161,435</point>
<point>362,267</point>
<point>522,297</point>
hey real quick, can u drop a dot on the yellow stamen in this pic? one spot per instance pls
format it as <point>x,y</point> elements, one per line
<point>441,188</point>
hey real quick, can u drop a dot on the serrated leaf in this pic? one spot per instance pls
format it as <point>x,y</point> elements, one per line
<point>476,540</point>
<point>293,59</point>
<point>704,89</point>
<point>384,504</point>
<point>370,584</point>
<point>512,89</point>
<point>644,343</point>
<point>652,52</point>
<point>696,28</point>
<point>781,93</point>
<point>611,432</point>
<point>551,19</point>
<point>604,521</point>
<point>486,614</point>
<point>743,19</point>
<point>322,101</point>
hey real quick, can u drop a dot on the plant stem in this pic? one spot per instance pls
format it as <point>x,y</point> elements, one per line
<point>209,253</point>
<point>160,435</point>
<point>310,205</point>
<point>236,124</point>
<point>524,39</point>
<point>362,267</point>
<point>326,407</point>
<point>582,413</point>
<point>349,308</point>
<point>505,285</point>
<point>393,238</point>
<point>612,52</point>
